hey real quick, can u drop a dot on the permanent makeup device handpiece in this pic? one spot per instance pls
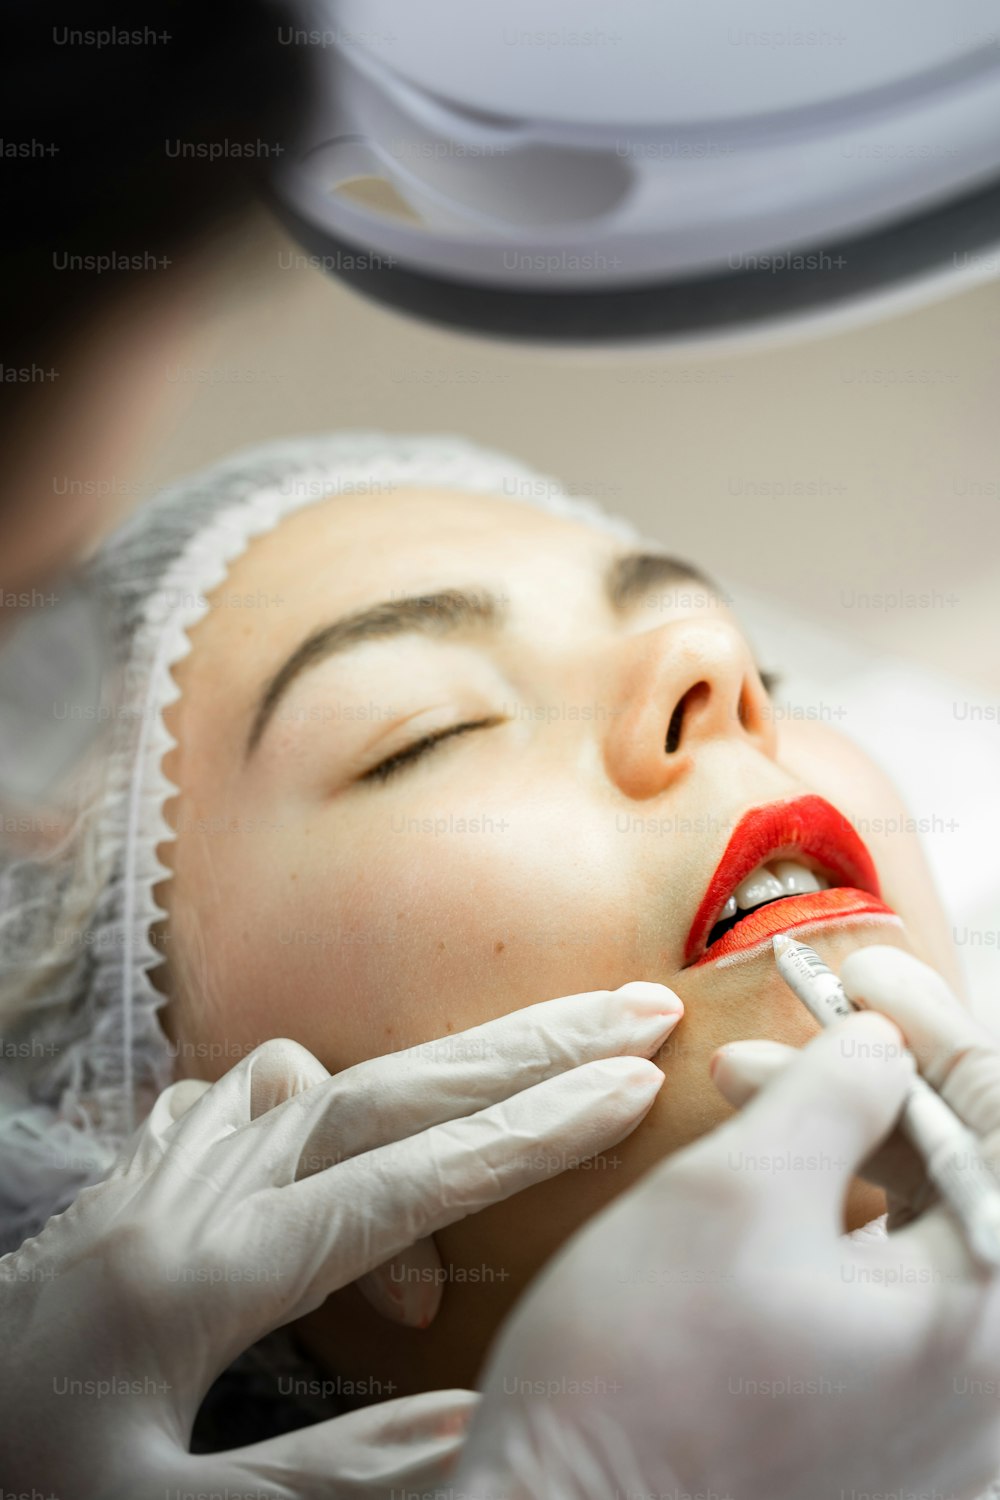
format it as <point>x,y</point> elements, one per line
<point>950,1151</point>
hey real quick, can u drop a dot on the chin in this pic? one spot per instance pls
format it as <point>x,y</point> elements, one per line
<point>729,1002</point>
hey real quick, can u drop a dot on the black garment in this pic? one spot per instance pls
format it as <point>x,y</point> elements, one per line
<point>269,1390</point>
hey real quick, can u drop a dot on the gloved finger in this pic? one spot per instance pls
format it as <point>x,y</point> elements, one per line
<point>407,1288</point>
<point>936,1243</point>
<point>835,1103</point>
<point>148,1144</point>
<point>260,1085</point>
<point>740,1070</point>
<point>354,1216</point>
<point>933,1256</point>
<point>955,1053</point>
<point>936,1025</point>
<point>283,1070</point>
<point>404,1447</point>
<point>389,1098</point>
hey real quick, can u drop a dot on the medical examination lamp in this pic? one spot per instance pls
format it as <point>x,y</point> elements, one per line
<point>664,171</point>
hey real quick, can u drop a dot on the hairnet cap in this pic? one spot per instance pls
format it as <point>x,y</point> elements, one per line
<point>75,928</point>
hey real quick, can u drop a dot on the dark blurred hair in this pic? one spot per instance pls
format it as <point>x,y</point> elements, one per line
<point>90,130</point>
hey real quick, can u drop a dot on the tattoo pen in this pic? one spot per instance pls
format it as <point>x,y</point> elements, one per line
<point>949,1149</point>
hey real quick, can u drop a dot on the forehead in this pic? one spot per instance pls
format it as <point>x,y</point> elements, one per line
<point>344,547</point>
<point>348,551</point>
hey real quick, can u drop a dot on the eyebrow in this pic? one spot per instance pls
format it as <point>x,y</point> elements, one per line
<point>450,612</point>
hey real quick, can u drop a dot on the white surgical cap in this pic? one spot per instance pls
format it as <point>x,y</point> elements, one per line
<point>75,927</point>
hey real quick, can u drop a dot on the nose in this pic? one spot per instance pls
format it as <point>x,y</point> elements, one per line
<point>681,686</point>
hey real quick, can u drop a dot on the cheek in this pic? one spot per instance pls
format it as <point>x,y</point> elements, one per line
<point>428,924</point>
<point>469,916</point>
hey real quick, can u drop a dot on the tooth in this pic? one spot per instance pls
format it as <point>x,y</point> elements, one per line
<point>760,886</point>
<point>729,910</point>
<point>795,878</point>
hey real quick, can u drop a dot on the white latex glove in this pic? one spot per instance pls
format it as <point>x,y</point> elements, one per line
<point>954,1052</point>
<point>708,1334</point>
<point>225,1219</point>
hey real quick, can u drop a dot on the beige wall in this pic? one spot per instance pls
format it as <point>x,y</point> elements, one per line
<point>892,432</point>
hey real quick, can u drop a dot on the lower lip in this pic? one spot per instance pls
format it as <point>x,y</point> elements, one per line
<point>838,904</point>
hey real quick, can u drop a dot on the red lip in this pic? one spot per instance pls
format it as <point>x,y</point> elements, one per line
<point>807,826</point>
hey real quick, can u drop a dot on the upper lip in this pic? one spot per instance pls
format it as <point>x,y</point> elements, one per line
<point>809,827</point>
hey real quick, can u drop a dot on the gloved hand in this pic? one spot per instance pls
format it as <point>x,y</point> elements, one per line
<point>954,1052</point>
<point>708,1333</point>
<point>240,1206</point>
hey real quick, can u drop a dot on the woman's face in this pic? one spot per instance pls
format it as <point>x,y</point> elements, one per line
<point>605,730</point>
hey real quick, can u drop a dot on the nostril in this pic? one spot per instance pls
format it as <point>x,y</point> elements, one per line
<point>676,726</point>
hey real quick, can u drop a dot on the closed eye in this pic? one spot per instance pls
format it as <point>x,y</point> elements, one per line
<point>412,753</point>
